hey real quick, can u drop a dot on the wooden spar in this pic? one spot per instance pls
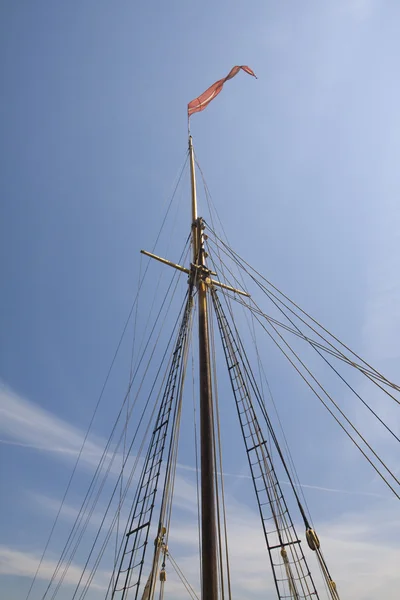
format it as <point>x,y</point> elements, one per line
<point>199,275</point>
<point>209,584</point>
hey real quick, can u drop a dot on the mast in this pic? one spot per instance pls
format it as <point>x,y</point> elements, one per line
<point>209,572</point>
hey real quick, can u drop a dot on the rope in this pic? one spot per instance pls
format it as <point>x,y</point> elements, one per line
<point>182,577</point>
<point>370,372</point>
<point>254,441</point>
<point>151,469</point>
<point>217,495</point>
<point>257,310</point>
<point>111,528</point>
<point>253,383</point>
<point>336,406</point>
<point>221,470</point>
<point>90,491</point>
<point>196,451</point>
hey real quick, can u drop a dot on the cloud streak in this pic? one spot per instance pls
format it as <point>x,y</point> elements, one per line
<point>350,544</point>
<point>32,427</point>
<point>27,425</point>
<point>24,564</point>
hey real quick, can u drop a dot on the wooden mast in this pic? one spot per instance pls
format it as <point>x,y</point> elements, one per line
<point>209,584</point>
<point>200,276</point>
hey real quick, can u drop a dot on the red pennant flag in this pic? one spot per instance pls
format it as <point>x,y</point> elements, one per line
<point>204,100</point>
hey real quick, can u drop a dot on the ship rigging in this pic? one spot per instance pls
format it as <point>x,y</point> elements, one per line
<point>137,523</point>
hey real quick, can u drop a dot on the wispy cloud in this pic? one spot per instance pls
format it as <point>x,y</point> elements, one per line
<point>69,512</point>
<point>27,424</point>
<point>35,447</point>
<point>317,488</point>
<point>353,544</point>
<point>30,426</point>
<point>24,564</point>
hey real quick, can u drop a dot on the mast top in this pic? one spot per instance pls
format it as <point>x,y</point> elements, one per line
<point>194,198</point>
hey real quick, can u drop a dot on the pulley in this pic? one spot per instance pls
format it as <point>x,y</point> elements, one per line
<point>312,539</point>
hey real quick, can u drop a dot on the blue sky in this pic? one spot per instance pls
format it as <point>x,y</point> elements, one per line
<point>303,166</point>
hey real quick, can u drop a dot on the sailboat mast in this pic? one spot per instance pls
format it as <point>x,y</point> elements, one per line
<point>209,582</point>
<point>194,200</point>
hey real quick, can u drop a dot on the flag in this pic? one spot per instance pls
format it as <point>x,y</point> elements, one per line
<point>204,100</point>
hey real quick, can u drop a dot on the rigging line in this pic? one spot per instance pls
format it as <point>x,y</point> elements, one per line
<point>172,199</point>
<point>210,200</point>
<point>335,352</point>
<point>175,275</point>
<point>130,517</point>
<point>162,225</point>
<point>283,461</point>
<point>249,423</point>
<point>83,443</point>
<point>336,406</point>
<point>327,407</point>
<point>237,257</point>
<point>314,344</point>
<point>161,595</point>
<point>250,376</point>
<point>100,397</point>
<point>137,460</point>
<point>327,362</point>
<point>182,577</point>
<point>262,371</point>
<point>173,453</point>
<point>80,453</point>
<point>131,445</point>
<point>365,371</point>
<point>79,517</point>
<point>230,310</point>
<point>101,552</point>
<point>215,393</point>
<point>171,231</point>
<point>269,424</point>
<point>127,413</point>
<point>149,479</point>
<point>356,394</point>
<point>221,471</point>
<point>196,452</point>
<point>299,333</point>
<point>289,454</point>
<point>115,565</point>
<point>169,481</point>
<point>90,491</point>
<point>155,297</point>
<point>330,585</point>
<point>260,401</point>
<point>333,368</point>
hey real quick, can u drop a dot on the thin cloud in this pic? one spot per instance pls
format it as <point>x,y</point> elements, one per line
<point>24,564</point>
<point>350,545</point>
<point>350,548</point>
<point>39,448</point>
<point>32,427</point>
<point>26,424</point>
<point>318,488</point>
